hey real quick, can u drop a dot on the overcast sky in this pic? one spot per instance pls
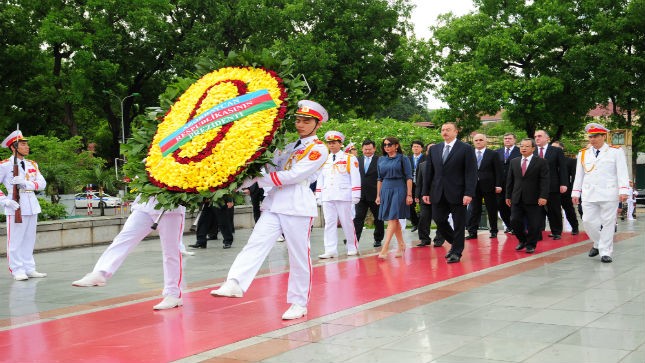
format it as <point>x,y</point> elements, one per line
<point>425,15</point>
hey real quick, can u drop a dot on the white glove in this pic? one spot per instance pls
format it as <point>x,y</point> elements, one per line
<point>19,180</point>
<point>318,201</point>
<point>11,204</point>
<point>247,183</point>
<point>355,200</point>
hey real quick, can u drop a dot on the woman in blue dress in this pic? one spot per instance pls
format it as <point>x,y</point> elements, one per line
<point>393,192</point>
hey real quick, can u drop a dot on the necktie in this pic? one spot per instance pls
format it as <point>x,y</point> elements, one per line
<point>479,158</point>
<point>446,151</point>
<point>416,160</point>
<point>333,157</point>
<point>524,166</point>
<point>297,144</point>
<point>597,152</point>
<point>507,154</point>
<point>22,163</point>
<point>542,152</point>
<point>367,163</point>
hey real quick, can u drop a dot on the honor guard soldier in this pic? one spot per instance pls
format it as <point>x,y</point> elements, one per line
<point>337,190</point>
<point>601,182</point>
<point>288,209</point>
<point>138,225</point>
<point>21,236</point>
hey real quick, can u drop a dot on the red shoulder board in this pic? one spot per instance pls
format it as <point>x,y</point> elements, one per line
<point>615,146</point>
<point>318,141</point>
<point>4,161</point>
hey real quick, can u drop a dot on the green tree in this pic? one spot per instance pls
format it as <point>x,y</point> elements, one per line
<point>358,55</point>
<point>69,66</point>
<point>518,56</point>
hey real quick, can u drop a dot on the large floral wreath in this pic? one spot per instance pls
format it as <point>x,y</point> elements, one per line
<point>213,158</point>
<point>222,129</point>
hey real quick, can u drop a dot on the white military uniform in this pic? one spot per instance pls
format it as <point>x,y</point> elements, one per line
<point>136,227</point>
<point>339,188</point>
<point>21,237</point>
<point>289,209</point>
<point>599,182</point>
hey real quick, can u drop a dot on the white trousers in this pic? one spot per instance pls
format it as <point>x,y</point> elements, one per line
<point>597,214</point>
<point>136,227</point>
<point>296,231</point>
<point>21,239</point>
<point>334,211</point>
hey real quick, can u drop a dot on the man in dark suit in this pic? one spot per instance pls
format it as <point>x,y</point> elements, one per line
<point>567,203</point>
<point>449,185</point>
<point>367,167</point>
<point>558,184</point>
<point>425,214</point>
<point>489,184</point>
<point>257,196</point>
<point>506,154</point>
<point>417,157</point>
<point>527,189</point>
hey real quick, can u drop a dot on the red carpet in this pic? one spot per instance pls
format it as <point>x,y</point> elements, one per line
<point>136,333</point>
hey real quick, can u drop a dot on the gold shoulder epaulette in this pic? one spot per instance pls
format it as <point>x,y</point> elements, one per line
<point>4,161</point>
<point>615,146</point>
<point>318,141</point>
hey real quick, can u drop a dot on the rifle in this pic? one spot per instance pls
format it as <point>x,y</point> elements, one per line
<point>16,191</point>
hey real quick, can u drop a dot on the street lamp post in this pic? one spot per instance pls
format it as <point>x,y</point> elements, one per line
<point>122,100</point>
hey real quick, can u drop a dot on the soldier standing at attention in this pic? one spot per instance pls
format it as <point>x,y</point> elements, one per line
<point>601,181</point>
<point>21,237</point>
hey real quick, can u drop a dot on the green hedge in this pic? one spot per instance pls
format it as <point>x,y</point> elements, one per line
<point>50,211</point>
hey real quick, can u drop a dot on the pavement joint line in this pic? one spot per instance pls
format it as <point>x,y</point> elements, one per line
<point>277,334</point>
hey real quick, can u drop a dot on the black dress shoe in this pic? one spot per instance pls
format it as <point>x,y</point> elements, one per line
<point>471,236</point>
<point>593,252</point>
<point>227,245</point>
<point>574,232</point>
<point>377,244</point>
<point>530,249</point>
<point>520,246</point>
<point>551,235</point>
<point>196,245</point>
<point>556,237</point>
<point>438,243</point>
<point>448,254</point>
<point>493,235</point>
<point>605,259</point>
<point>423,244</point>
<point>453,258</point>
<point>414,229</point>
<point>508,230</point>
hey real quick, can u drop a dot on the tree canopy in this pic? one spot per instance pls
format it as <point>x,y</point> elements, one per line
<point>83,67</point>
<point>545,62</point>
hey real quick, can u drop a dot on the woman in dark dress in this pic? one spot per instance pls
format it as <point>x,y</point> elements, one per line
<point>393,192</point>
